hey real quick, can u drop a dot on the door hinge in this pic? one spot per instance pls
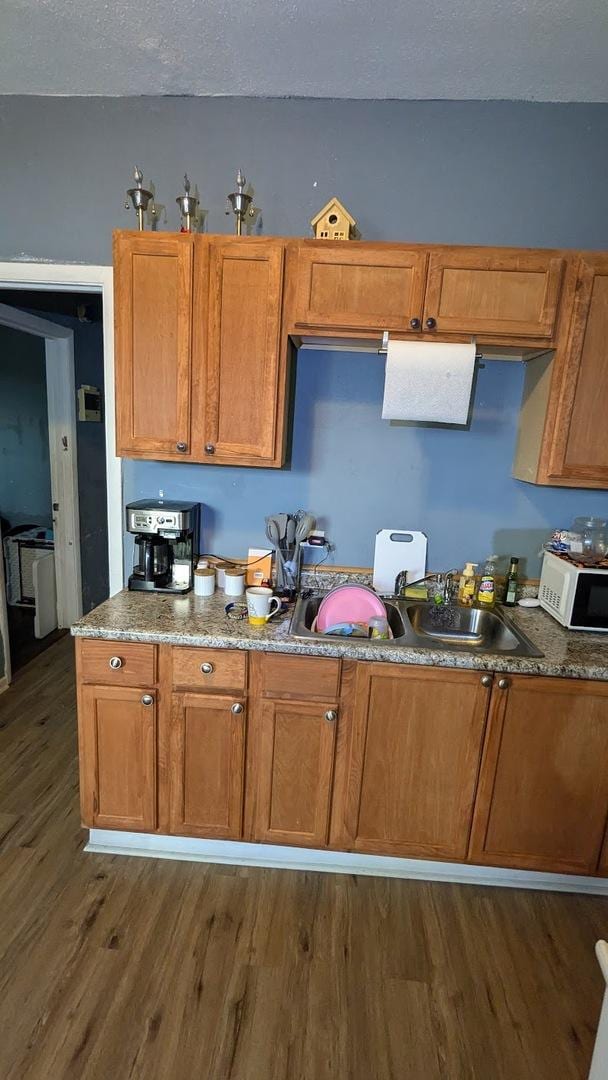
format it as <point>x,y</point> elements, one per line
<point>64,442</point>
<point>55,506</point>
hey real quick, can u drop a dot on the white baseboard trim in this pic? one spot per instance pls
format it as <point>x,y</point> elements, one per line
<point>238,853</point>
<point>3,684</point>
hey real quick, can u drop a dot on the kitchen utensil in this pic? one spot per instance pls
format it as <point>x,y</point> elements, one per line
<point>398,549</point>
<point>349,604</point>
<point>282,520</point>
<point>290,532</point>
<point>273,534</point>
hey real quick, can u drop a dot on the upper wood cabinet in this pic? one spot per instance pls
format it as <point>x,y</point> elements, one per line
<point>239,358</point>
<point>207,765</point>
<point>543,790</point>
<point>117,731</point>
<point>352,286</point>
<point>153,312</point>
<point>562,439</point>
<point>493,293</point>
<point>201,368</point>
<point>414,759</point>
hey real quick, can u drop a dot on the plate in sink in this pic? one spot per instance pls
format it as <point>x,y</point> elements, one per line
<point>349,604</point>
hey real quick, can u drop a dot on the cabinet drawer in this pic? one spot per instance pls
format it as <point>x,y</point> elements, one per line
<point>117,663</point>
<point>209,669</point>
<point>297,677</point>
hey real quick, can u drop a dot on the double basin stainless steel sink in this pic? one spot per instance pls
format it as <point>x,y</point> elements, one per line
<point>416,623</point>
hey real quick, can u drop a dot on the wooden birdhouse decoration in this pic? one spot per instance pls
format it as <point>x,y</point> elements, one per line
<point>333,222</point>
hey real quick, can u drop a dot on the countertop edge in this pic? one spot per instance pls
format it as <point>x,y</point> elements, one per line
<point>394,655</point>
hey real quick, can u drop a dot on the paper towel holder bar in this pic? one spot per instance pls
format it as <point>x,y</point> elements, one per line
<point>382,351</point>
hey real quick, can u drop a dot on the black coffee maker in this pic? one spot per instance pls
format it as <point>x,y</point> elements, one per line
<point>166,544</point>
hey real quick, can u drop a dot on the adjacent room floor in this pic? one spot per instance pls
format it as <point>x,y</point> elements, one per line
<point>24,645</point>
<point>115,967</point>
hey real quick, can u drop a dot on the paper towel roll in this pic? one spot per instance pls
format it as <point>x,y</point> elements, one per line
<point>428,381</point>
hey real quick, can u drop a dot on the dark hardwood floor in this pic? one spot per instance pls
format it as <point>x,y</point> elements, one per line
<point>113,968</point>
<point>24,645</point>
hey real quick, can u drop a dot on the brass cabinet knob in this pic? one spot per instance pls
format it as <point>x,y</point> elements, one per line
<point>182,447</point>
<point>486,680</point>
<point>236,708</point>
<point>207,668</point>
<point>431,323</point>
<point>147,699</point>
<point>331,715</point>
<point>209,448</point>
<point>115,662</point>
<point>503,684</point>
<point>415,324</point>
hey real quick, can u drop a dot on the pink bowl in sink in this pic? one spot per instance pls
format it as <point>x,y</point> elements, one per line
<point>348,604</point>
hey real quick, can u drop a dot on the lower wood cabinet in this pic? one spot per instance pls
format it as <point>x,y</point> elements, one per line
<point>414,761</point>
<point>543,793</point>
<point>378,758</point>
<point>294,764</point>
<point>118,743</point>
<point>207,766</point>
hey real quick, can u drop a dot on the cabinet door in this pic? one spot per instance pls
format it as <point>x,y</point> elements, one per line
<point>345,286</point>
<point>207,765</point>
<point>153,302</point>
<point>117,729</point>
<point>579,448</point>
<point>543,791</point>
<point>244,384</point>
<point>493,293</point>
<point>295,762</point>
<point>416,747</point>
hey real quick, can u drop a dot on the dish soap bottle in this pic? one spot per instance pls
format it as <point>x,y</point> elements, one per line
<point>486,593</point>
<point>466,585</point>
<point>511,583</point>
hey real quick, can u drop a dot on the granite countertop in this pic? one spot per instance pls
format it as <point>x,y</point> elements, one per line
<point>192,620</point>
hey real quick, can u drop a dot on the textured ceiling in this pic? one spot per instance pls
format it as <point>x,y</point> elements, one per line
<point>539,50</point>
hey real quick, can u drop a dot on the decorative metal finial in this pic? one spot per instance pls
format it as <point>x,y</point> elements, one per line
<point>140,197</point>
<point>239,202</point>
<point>187,206</point>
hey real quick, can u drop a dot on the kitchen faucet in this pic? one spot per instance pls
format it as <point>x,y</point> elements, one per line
<point>446,580</point>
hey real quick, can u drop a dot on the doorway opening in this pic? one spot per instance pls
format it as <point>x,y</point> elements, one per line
<point>65,312</point>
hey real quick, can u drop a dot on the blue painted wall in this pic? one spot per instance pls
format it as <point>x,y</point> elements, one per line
<point>358,473</point>
<point>25,476</point>
<point>454,172</point>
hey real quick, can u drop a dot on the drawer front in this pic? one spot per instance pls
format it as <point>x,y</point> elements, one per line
<point>298,677</point>
<point>209,669</point>
<point>117,663</point>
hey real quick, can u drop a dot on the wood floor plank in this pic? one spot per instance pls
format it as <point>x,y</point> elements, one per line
<point>117,968</point>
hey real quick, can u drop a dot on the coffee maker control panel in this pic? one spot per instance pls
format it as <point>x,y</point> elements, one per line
<point>153,520</point>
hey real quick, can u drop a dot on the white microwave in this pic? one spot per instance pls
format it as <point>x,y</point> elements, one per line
<point>577,596</point>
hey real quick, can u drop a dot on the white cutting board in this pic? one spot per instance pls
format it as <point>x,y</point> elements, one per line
<point>398,549</point>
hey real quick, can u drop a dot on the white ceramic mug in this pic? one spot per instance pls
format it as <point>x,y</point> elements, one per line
<point>259,604</point>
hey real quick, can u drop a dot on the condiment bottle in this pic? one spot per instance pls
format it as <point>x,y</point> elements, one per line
<point>511,583</point>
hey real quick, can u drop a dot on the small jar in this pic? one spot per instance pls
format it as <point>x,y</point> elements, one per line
<point>220,570</point>
<point>204,581</point>
<point>234,582</point>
